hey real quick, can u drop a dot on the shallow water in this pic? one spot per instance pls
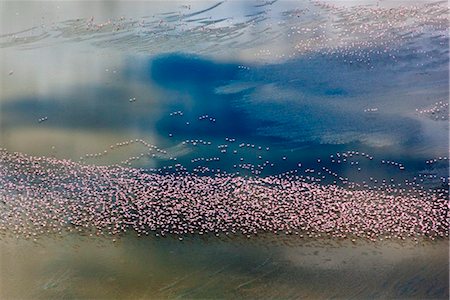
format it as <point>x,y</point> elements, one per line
<point>82,267</point>
<point>307,80</point>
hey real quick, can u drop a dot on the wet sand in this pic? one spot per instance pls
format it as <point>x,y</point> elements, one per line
<point>270,267</point>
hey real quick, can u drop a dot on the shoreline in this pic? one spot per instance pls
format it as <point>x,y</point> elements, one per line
<point>281,238</point>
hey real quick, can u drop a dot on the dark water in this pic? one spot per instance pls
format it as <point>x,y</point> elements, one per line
<point>272,75</point>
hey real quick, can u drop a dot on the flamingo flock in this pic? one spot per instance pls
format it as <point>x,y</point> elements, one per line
<point>45,195</point>
<point>42,196</point>
<point>438,111</point>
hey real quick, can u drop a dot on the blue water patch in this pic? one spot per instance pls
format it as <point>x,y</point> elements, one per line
<point>188,71</point>
<point>303,109</point>
<point>335,92</point>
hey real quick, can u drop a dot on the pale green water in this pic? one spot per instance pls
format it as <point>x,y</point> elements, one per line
<point>74,267</point>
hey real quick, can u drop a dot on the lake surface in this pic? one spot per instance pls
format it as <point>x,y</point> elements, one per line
<point>74,267</point>
<point>239,88</point>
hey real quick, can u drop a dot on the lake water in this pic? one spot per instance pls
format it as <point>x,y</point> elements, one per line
<point>249,88</point>
<point>74,267</point>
